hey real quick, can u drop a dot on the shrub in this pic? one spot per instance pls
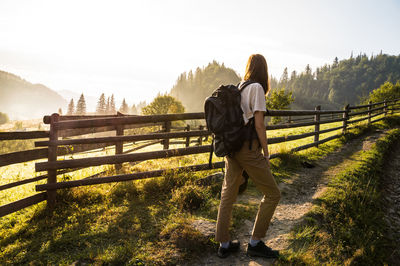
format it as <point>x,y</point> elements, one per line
<point>189,197</point>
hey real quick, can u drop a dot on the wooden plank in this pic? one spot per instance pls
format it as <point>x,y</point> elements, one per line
<point>112,140</point>
<point>142,146</point>
<point>100,122</point>
<point>22,156</point>
<point>24,135</point>
<point>21,204</point>
<point>364,106</point>
<point>317,123</point>
<point>167,129</point>
<point>46,118</point>
<point>282,126</point>
<point>381,113</point>
<point>113,159</point>
<point>329,130</point>
<point>22,182</point>
<point>85,131</point>
<point>36,154</point>
<point>300,112</point>
<point>52,157</point>
<point>127,177</point>
<point>366,112</point>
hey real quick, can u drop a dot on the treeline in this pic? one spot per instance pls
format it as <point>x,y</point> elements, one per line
<point>104,106</point>
<point>348,81</point>
<point>332,86</point>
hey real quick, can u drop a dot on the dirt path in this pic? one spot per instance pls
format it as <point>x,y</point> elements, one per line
<point>391,188</point>
<point>297,199</point>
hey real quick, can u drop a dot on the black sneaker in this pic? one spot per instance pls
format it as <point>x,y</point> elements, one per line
<point>234,246</point>
<point>261,250</point>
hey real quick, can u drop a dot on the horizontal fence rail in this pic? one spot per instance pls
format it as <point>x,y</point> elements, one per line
<point>21,204</point>
<point>24,135</point>
<point>133,133</point>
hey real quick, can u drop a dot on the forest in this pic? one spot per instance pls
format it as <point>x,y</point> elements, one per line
<point>347,81</point>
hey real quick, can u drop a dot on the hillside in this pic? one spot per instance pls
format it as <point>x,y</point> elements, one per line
<point>21,99</point>
<point>192,88</point>
<point>348,81</point>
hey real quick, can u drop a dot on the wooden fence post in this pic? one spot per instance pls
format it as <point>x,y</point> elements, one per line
<point>167,128</point>
<point>201,138</point>
<point>316,120</point>
<point>52,157</point>
<point>392,109</point>
<point>369,112</point>
<point>385,107</point>
<point>345,118</point>
<point>187,138</point>
<point>119,146</point>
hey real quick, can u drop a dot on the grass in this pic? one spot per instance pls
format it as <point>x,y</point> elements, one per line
<point>346,225</point>
<point>144,221</point>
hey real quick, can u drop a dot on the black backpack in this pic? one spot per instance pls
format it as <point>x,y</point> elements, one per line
<point>224,118</point>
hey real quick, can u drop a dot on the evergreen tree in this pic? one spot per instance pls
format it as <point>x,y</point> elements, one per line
<point>108,106</point>
<point>124,107</point>
<point>284,78</point>
<point>134,110</point>
<point>81,106</point>
<point>113,111</point>
<point>71,107</point>
<point>101,105</point>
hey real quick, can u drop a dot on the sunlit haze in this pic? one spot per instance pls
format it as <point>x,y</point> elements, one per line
<point>136,49</point>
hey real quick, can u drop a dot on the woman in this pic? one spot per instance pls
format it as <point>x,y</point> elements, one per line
<point>255,163</point>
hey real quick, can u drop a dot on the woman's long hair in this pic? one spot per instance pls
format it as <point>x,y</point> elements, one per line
<point>257,70</point>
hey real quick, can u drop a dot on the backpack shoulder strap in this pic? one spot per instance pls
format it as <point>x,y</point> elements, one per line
<point>242,86</point>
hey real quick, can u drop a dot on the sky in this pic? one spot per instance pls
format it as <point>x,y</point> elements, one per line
<point>136,49</point>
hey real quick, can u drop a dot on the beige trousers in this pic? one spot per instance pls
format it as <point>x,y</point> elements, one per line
<point>253,162</point>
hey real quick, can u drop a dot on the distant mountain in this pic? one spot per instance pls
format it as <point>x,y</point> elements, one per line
<point>21,99</point>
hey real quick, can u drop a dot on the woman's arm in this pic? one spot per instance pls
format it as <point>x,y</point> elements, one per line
<point>261,131</point>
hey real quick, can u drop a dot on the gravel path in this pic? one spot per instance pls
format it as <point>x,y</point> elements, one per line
<point>297,199</point>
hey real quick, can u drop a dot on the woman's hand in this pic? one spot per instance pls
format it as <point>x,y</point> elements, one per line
<point>266,157</point>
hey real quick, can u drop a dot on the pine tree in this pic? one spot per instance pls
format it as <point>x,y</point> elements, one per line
<point>335,62</point>
<point>124,107</point>
<point>134,110</point>
<point>113,111</point>
<point>284,78</point>
<point>101,105</point>
<point>81,106</point>
<point>71,107</point>
<point>108,107</point>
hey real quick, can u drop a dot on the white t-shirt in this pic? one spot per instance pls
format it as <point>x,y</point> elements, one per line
<point>253,99</point>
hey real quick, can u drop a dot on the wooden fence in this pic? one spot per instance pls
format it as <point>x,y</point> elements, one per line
<point>166,129</point>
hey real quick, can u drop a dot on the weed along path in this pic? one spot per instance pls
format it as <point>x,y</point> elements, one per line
<point>298,193</point>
